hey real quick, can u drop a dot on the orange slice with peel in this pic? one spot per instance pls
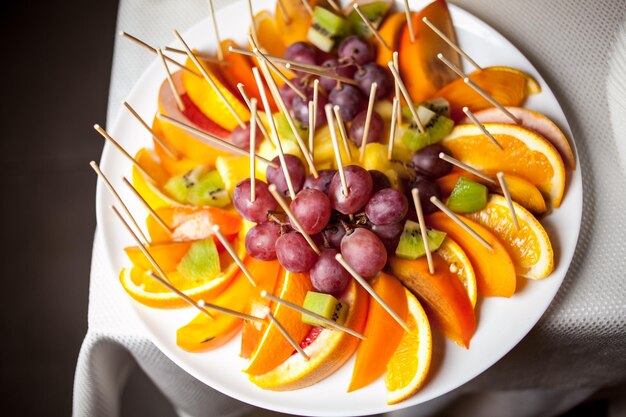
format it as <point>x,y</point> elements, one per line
<point>525,154</point>
<point>173,166</point>
<point>167,255</point>
<point>382,333</point>
<point>192,223</point>
<point>530,247</point>
<point>273,348</point>
<point>328,351</point>
<point>460,265</point>
<point>151,191</point>
<point>409,365</point>
<point>270,39</point>
<point>390,31</point>
<point>293,27</point>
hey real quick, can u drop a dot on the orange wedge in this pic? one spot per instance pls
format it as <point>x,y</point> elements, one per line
<point>460,265</point>
<point>191,223</point>
<point>382,332</point>
<point>525,154</point>
<point>172,165</point>
<point>494,269</point>
<point>530,247</point>
<point>149,190</point>
<point>409,365</point>
<point>274,349</point>
<point>233,170</point>
<point>167,255</point>
<point>295,25</point>
<point>328,352</point>
<point>270,38</point>
<point>390,31</point>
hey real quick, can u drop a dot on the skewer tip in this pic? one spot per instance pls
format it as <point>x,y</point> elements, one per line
<point>442,155</point>
<point>272,187</point>
<point>465,109</point>
<point>466,80</point>
<point>97,126</point>
<point>424,19</point>
<point>263,293</point>
<point>201,303</point>
<point>216,228</point>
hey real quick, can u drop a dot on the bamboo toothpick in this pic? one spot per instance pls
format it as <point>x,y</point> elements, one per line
<point>333,137</point>
<point>460,222</point>
<point>482,127</point>
<point>287,336</point>
<point>117,197</point>
<point>146,205</point>
<point>320,72</point>
<point>119,147</point>
<point>342,131</point>
<point>216,32</point>
<point>420,218</point>
<point>395,109</point>
<point>509,200</point>
<point>283,10</point>
<point>371,291</point>
<point>444,156</point>
<point>450,65</point>
<point>407,97</point>
<point>213,140</point>
<point>154,51</point>
<point>311,126</point>
<point>246,98</point>
<point>170,81</point>
<point>307,7</point>
<point>255,34</point>
<point>449,41</point>
<point>205,56</point>
<point>279,146</point>
<point>252,151</point>
<point>210,80</point>
<point>396,63</point>
<point>328,322</point>
<point>316,93</point>
<point>368,120</point>
<point>273,58</point>
<point>171,153</point>
<point>274,69</point>
<point>336,6</point>
<point>409,21</point>
<point>490,99</point>
<point>371,27</point>
<point>283,204</point>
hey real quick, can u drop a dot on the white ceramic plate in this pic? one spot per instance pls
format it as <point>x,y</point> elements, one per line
<point>502,322</point>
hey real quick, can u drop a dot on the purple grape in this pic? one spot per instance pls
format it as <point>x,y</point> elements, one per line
<point>261,241</point>
<point>374,73</point>
<point>322,182</point>
<point>389,234</point>
<point>334,233</point>
<point>386,206</point>
<point>294,253</point>
<point>427,189</point>
<point>312,209</point>
<point>302,52</point>
<point>359,183</point>
<point>364,252</point>
<point>349,99</point>
<point>355,49</point>
<point>300,108</point>
<point>327,275</point>
<point>240,137</point>
<point>296,172</point>
<point>427,162</point>
<point>379,181</point>
<point>287,93</point>
<point>342,70</point>
<point>357,128</point>
<point>254,211</point>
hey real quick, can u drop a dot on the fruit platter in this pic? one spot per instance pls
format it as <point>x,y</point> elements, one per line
<point>323,207</point>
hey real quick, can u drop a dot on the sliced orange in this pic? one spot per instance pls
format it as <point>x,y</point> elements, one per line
<point>233,170</point>
<point>328,352</point>
<point>525,154</point>
<point>151,191</point>
<point>382,332</point>
<point>295,25</point>
<point>390,31</point>
<point>532,86</point>
<point>192,223</point>
<point>460,264</point>
<point>174,166</point>
<point>409,365</point>
<point>529,247</point>
<point>270,39</point>
<point>274,349</point>
<point>167,255</point>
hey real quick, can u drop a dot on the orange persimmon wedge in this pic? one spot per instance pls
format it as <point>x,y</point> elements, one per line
<point>192,223</point>
<point>167,255</point>
<point>495,271</point>
<point>295,26</point>
<point>381,331</point>
<point>390,31</point>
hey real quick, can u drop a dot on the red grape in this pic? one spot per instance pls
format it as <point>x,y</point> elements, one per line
<point>322,182</point>
<point>379,181</point>
<point>342,70</point>
<point>364,252</point>
<point>294,253</point>
<point>427,162</point>
<point>349,99</point>
<point>240,137</point>
<point>389,234</point>
<point>254,211</point>
<point>334,233</point>
<point>312,209</point>
<point>296,172</point>
<point>374,73</point>
<point>355,49</point>
<point>300,108</point>
<point>359,184</point>
<point>302,52</point>
<point>327,275</point>
<point>261,241</point>
<point>427,189</point>
<point>387,206</point>
<point>376,129</point>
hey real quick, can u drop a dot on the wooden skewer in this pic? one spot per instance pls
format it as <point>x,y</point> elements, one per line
<point>371,291</point>
<point>450,65</point>
<point>482,127</point>
<point>322,73</point>
<point>371,27</point>
<point>466,167</point>
<point>342,131</point>
<point>420,218</point>
<point>283,204</point>
<point>246,98</point>
<point>409,21</point>
<point>216,32</point>
<point>287,336</point>
<point>255,33</point>
<point>147,206</point>
<point>277,71</point>
<point>312,314</point>
<point>171,153</point>
<point>368,120</point>
<point>170,81</point>
<point>449,41</point>
<point>210,80</point>
<point>490,99</point>
<point>509,200</point>
<point>123,151</point>
<point>407,97</point>
<point>252,151</point>
<point>311,126</point>
<point>283,10</point>
<point>395,110</point>
<point>396,63</point>
<point>274,58</point>
<point>205,56</point>
<point>279,146</point>
<point>335,6</point>
<point>460,222</point>
<point>333,137</point>
<point>117,197</point>
<point>154,51</point>
<point>307,7</point>
<point>202,304</point>
<point>316,93</point>
<point>213,140</point>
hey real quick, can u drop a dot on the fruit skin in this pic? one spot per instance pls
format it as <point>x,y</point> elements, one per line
<point>382,332</point>
<point>364,252</point>
<point>443,296</point>
<point>327,353</point>
<point>495,271</point>
<point>423,73</point>
<point>390,31</point>
<point>167,255</point>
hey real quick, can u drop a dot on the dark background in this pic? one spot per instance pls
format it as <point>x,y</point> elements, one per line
<point>55,79</point>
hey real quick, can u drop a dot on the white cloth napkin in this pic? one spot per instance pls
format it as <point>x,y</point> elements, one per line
<point>578,346</point>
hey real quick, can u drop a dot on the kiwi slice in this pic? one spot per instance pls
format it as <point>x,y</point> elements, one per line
<point>411,245</point>
<point>375,13</point>
<point>327,29</point>
<point>326,306</point>
<point>437,127</point>
<point>467,196</point>
<point>199,188</point>
<point>202,262</point>
<point>284,130</point>
<point>439,105</point>
<point>179,185</point>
